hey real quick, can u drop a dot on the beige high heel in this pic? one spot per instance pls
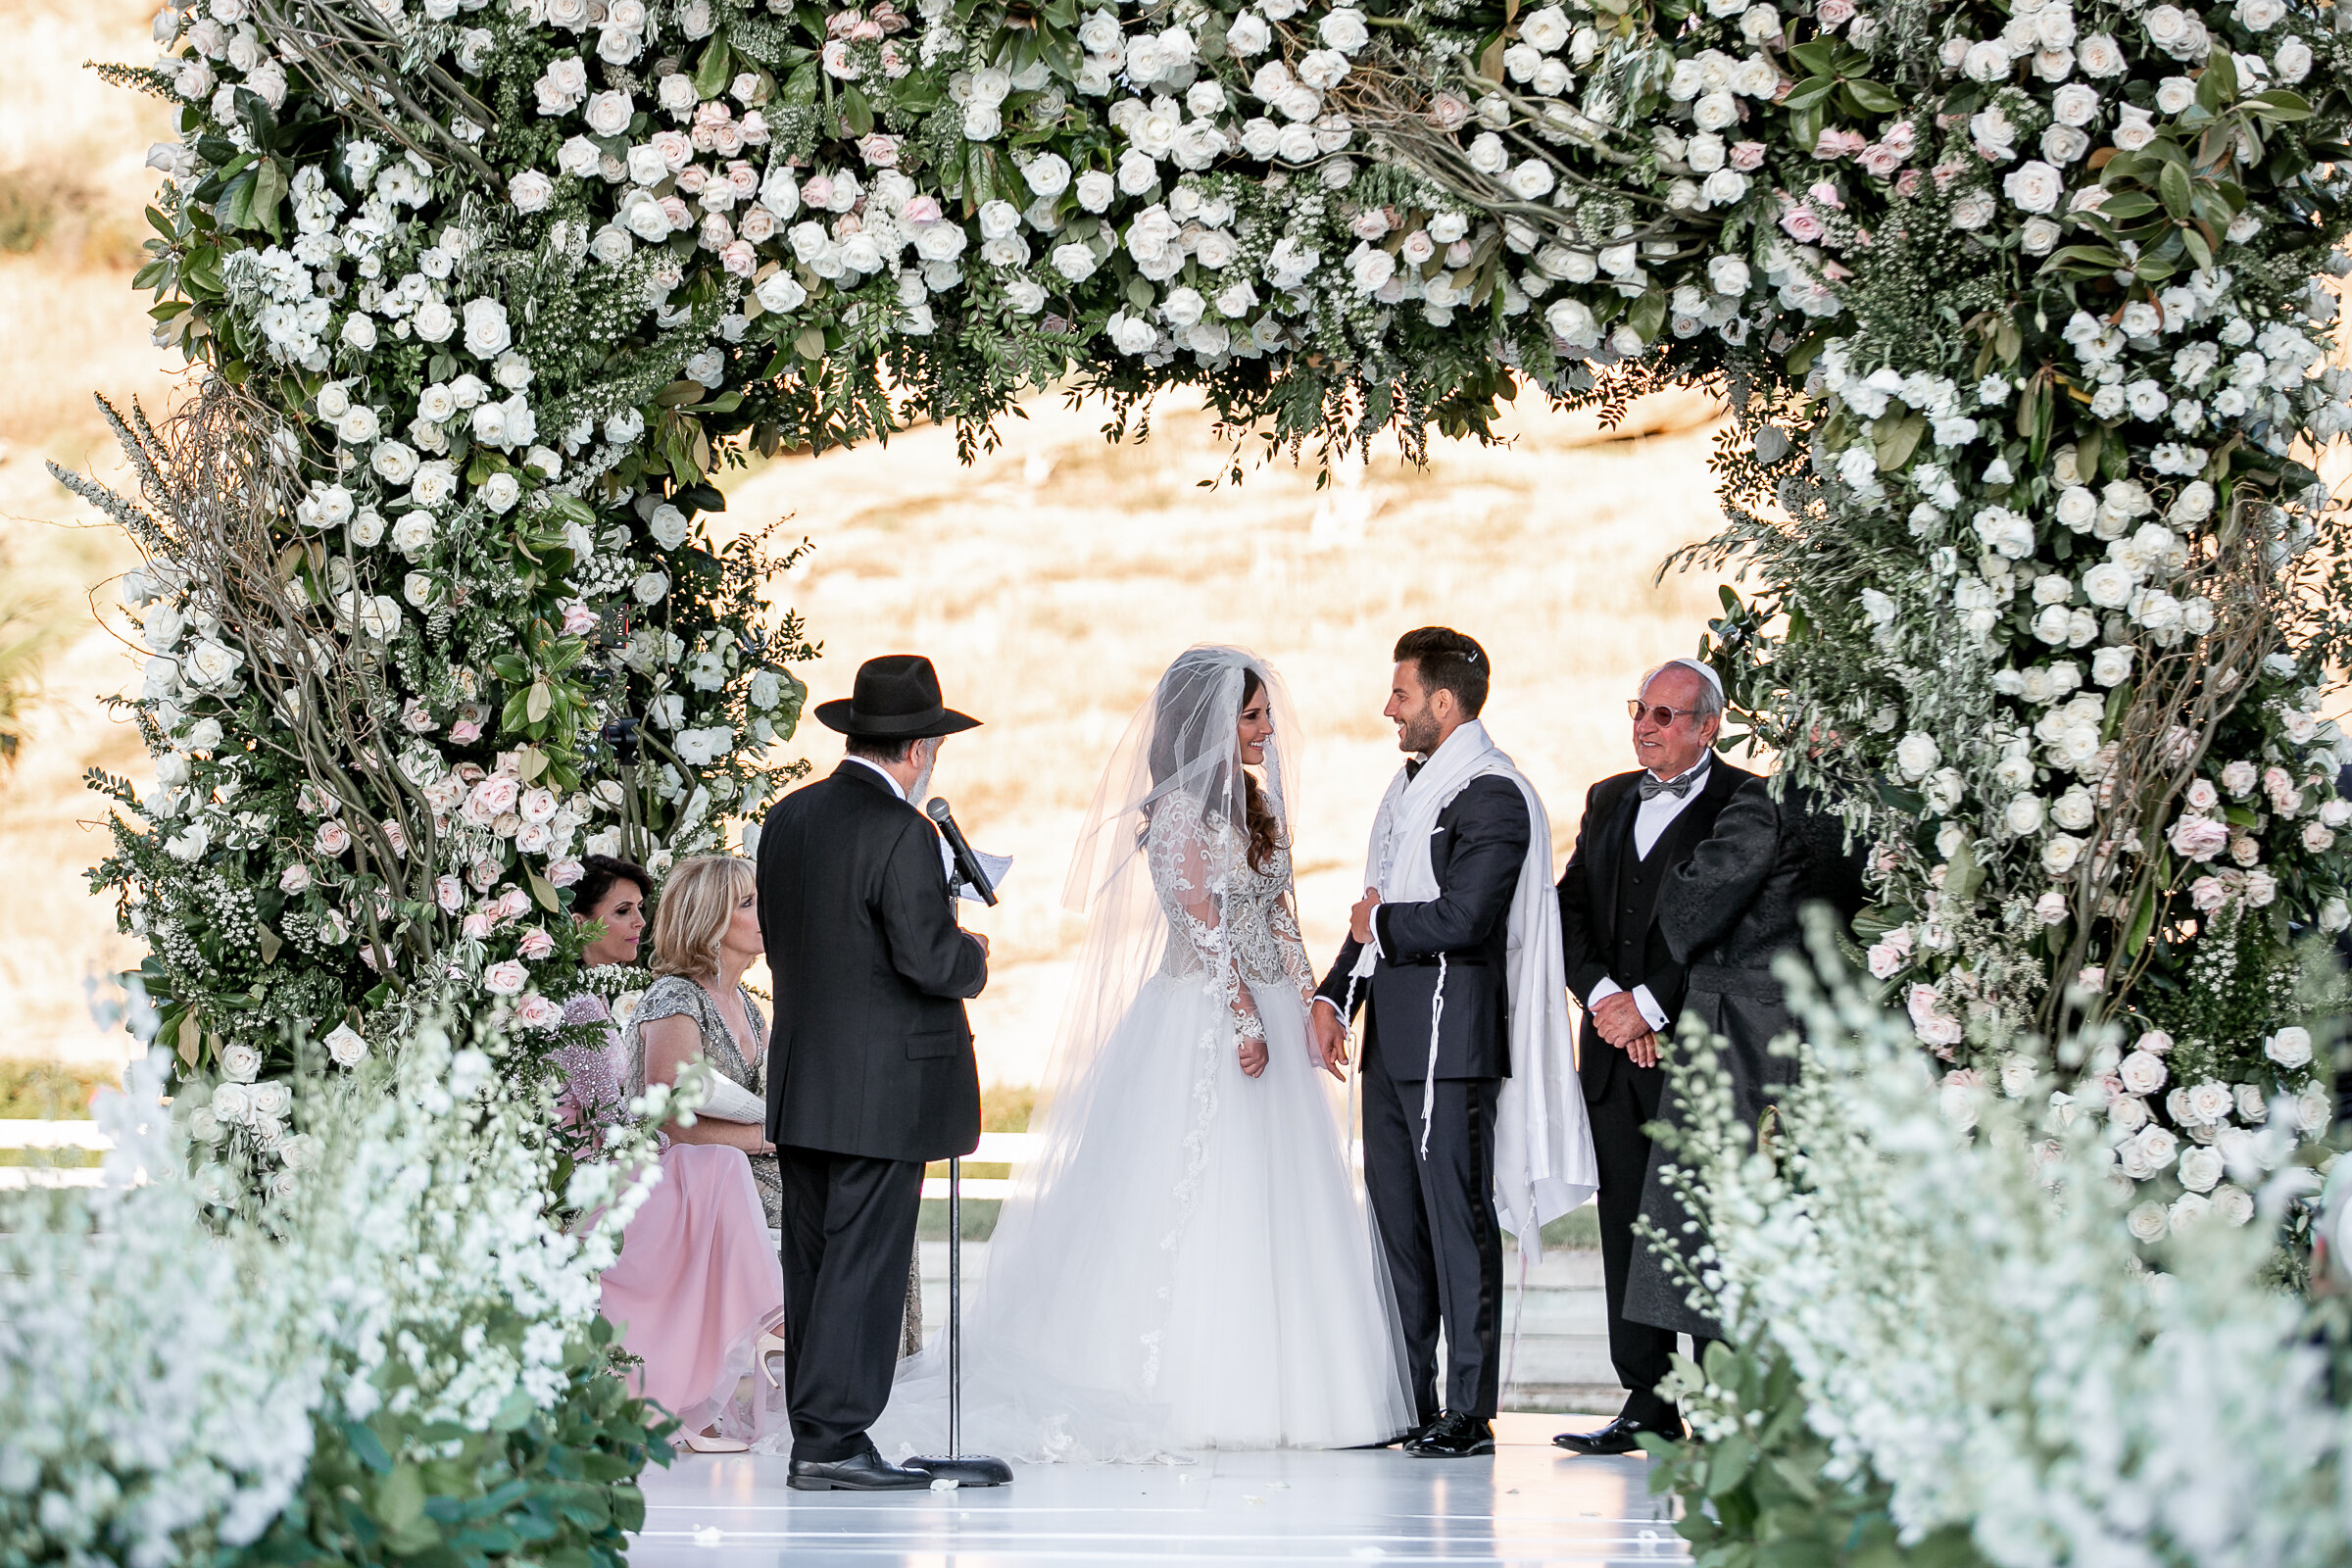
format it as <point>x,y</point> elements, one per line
<point>768,1344</point>
<point>713,1443</point>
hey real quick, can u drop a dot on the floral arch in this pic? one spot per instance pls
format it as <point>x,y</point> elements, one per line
<point>2023,311</point>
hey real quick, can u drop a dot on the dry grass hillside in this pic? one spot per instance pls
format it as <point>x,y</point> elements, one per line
<point>1050,581</point>
<point>71,187</point>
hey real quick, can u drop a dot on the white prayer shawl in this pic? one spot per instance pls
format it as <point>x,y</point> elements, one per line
<point>1543,1161</point>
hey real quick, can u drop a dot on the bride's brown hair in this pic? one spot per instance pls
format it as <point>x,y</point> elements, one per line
<point>1266,833</point>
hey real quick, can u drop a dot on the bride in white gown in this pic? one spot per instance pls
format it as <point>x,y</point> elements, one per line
<point>1187,1265</point>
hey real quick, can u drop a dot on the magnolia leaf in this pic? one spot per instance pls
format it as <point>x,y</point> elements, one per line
<point>544,891</point>
<point>529,763</point>
<point>267,942</point>
<point>191,1037</point>
<point>1896,438</point>
<point>539,700</point>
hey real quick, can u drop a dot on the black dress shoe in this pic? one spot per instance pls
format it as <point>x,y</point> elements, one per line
<point>1453,1437</point>
<point>1618,1437</point>
<point>1410,1434</point>
<point>971,1470</point>
<point>860,1472</point>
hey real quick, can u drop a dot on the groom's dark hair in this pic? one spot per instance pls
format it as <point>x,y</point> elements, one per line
<point>1447,661</point>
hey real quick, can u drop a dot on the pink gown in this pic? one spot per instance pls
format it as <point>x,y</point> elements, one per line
<point>697,1282</point>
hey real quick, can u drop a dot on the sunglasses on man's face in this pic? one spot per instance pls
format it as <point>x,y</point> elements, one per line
<point>1658,713</point>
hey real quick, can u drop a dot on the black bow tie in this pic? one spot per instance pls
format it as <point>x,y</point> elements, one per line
<point>1412,769</point>
<point>1653,786</point>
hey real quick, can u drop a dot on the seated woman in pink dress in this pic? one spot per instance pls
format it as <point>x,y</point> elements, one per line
<point>696,1291</point>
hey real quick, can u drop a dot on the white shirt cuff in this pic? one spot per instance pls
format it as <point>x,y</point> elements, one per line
<point>1651,1012</point>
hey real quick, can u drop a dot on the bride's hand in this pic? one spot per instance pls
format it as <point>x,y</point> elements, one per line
<point>1254,1056</point>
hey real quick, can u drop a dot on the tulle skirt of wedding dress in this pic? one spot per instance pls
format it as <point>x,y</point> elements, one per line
<point>1197,1272</point>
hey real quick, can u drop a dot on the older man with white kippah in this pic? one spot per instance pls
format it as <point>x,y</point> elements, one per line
<point>1640,829</point>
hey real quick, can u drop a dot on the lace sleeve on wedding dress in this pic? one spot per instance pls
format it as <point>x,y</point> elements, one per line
<point>1283,921</point>
<point>1193,886</point>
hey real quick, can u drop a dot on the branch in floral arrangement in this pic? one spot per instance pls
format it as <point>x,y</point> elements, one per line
<point>2163,735</point>
<point>220,480</point>
<point>362,61</point>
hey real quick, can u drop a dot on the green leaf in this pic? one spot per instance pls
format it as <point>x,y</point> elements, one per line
<point>856,115</point>
<point>1816,56</point>
<point>1896,437</point>
<point>366,1447</point>
<point>1728,1463</point>
<point>1873,98</point>
<point>544,891</point>
<point>712,76</point>
<point>2143,921</point>
<point>2217,85</point>
<point>2172,185</point>
<point>268,189</point>
<point>1649,313</point>
<point>1809,92</point>
<point>2279,106</point>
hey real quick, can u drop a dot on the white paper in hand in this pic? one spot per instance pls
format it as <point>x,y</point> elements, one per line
<point>997,867</point>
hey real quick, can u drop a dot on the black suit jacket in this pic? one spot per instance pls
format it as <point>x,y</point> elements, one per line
<point>1477,851</point>
<point>1590,911</point>
<point>870,1053</point>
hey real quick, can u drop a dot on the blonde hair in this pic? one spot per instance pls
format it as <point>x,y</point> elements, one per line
<point>698,903</point>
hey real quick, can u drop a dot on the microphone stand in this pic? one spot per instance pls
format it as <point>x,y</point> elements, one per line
<point>972,1469</point>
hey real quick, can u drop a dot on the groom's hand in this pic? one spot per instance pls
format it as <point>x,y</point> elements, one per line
<point>1359,918</point>
<point>982,941</point>
<point>1643,1053</point>
<point>1330,1038</point>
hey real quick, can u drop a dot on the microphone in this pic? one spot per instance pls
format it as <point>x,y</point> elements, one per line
<point>967,863</point>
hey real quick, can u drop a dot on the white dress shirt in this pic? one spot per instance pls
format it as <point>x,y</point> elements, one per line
<point>947,856</point>
<point>1653,817</point>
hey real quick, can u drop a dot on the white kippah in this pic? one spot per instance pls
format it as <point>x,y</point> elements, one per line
<point>1712,679</point>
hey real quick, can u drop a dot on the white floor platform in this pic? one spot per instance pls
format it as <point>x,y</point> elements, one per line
<point>1531,1503</point>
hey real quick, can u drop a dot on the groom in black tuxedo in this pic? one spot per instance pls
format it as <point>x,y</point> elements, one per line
<point>1436,1213</point>
<point>1640,829</point>
<point>870,1072</point>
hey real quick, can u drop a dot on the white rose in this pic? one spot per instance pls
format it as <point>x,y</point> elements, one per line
<point>2033,187</point>
<point>530,190</point>
<point>1917,754</point>
<point>413,533</point>
<point>241,1063</point>
<point>2148,1221</point>
<point>2024,815</point>
<point>2290,1048</point>
<point>487,334</point>
<point>1343,28</point>
<point>346,1045</point>
<point>2059,854</point>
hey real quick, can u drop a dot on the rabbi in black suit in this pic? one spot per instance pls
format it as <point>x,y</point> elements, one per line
<point>871,1069</point>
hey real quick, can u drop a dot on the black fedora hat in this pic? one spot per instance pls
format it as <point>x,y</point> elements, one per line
<point>896,697</point>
